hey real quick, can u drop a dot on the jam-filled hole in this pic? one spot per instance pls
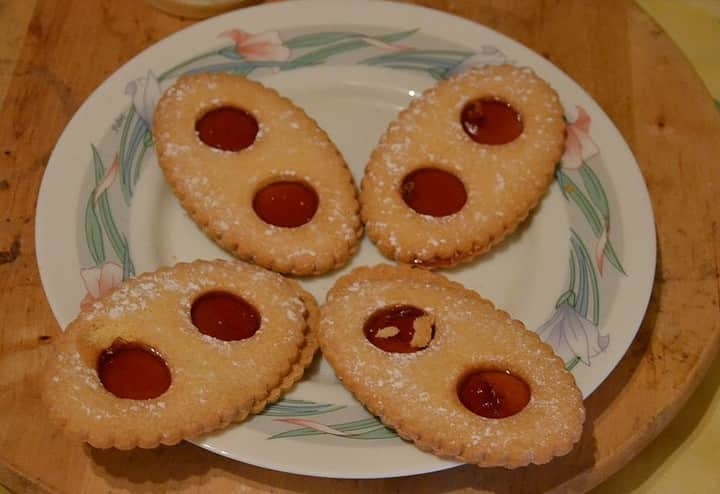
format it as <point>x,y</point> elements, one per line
<point>133,370</point>
<point>286,203</point>
<point>224,316</point>
<point>400,329</point>
<point>491,121</point>
<point>227,128</point>
<point>433,192</point>
<point>493,394</point>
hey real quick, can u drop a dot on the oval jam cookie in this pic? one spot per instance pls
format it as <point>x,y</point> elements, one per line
<point>182,351</point>
<point>256,174</point>
<point>462,166</point>
<point>447,370</point>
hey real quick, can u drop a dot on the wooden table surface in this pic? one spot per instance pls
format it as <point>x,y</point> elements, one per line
<point>610,48</point>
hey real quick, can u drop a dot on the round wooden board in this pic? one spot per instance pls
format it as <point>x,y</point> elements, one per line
<point>612,49</point>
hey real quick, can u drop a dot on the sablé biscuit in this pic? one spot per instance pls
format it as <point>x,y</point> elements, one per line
<point>210,382</point>
<point>222,187</point>
<point>491,187</point>
<point>421,392</point>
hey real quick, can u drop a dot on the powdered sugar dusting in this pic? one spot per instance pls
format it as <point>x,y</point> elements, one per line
<point>154,309</point>
<point>418,390</point>
<point>217,187</point>
<point>506,178</point>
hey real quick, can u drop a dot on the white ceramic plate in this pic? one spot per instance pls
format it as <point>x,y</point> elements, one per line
<point>580,270</point>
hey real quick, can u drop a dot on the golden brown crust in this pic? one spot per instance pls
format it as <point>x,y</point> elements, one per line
<point>217,187</point>
<point>214,382</point>
<point>305,356</point>
<point>503,182</point>
<point>416,393</point>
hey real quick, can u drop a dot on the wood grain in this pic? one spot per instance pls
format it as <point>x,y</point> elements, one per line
<point>14,17</point>
<point>610,48</point>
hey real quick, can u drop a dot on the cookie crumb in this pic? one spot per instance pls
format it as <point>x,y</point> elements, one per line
<point>387,332</point>
<point>423,331</point>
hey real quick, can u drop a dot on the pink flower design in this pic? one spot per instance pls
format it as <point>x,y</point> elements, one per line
<point>100,281</point>
<point>312,424</point>
<point>579,146</point>
<point>265,46</point>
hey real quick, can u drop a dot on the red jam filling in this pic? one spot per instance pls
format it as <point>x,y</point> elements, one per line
<point>224,316</point>
<point>227,128</point>
<point>491,121</point>
<point>286,204</point>
<point>133,370</point>
<point>433,192</point>
<point>401,317</point>
<point>493,394</point>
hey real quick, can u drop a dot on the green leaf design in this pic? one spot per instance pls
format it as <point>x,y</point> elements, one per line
<point>437,63</point>
<point>444,58</point>
<point>380,432</point>
<point>585,263</point>
<point>122,155</point>
<point>566,298</point>
<point>438,74</point>
<point>147,142</point>
<point>398,36</point>
<point>98,167</point>
<point>243,70</point>
<point>570,365</point>
<point>148,139</point>
<point>131,152</point>
<point>313,40</point>
<point>93,233</point>
<point>595,190</point>
<point>422,61</point>
<point>612,257</point>
<point>584,266</point>
<point>572,275</point>
<point>572,192</point>
<point>237,67</point>
<point>230,52</point>
<point>358,429</point>
<point>117,239</point>
<point>323,54</point>
<point>128,268</point>
<point>299,408</point>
